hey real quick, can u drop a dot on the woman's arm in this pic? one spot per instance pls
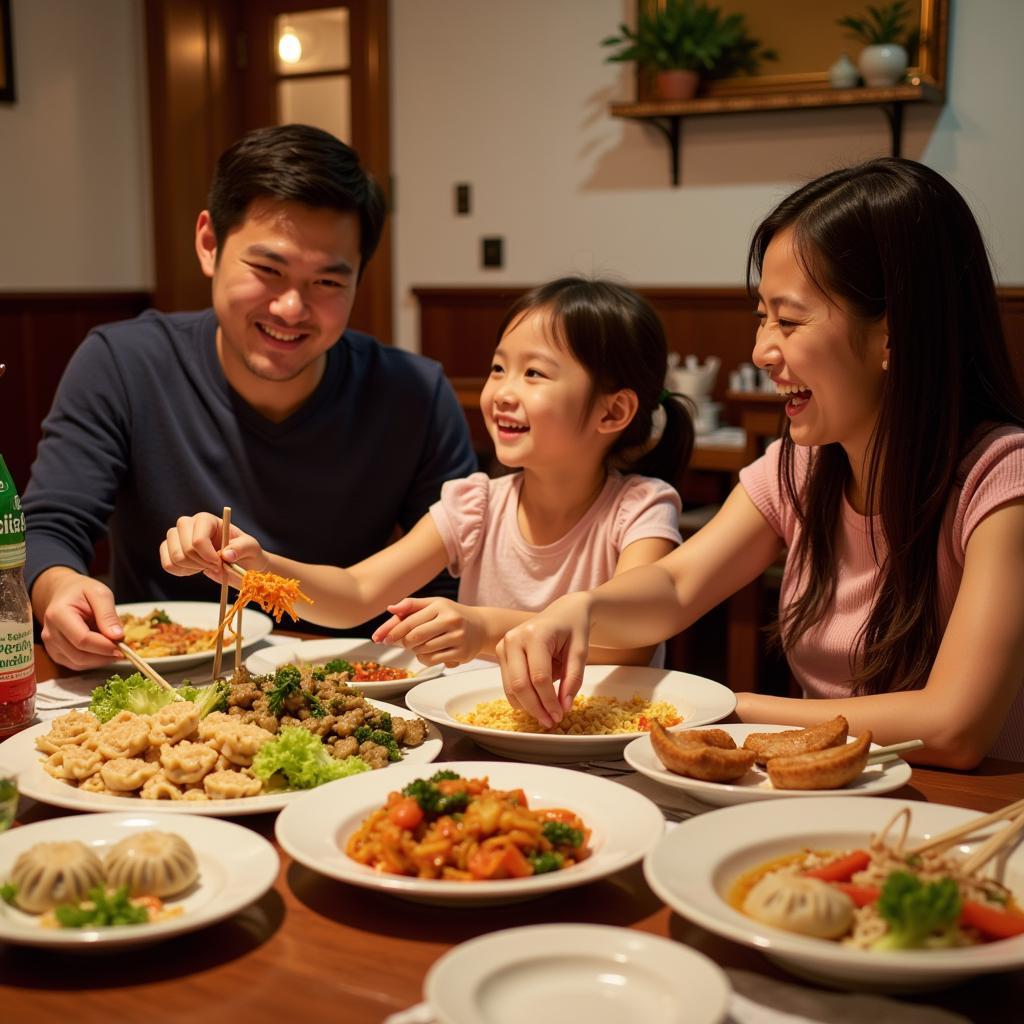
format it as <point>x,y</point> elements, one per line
<point>976,675</point>
<point>640,607</point>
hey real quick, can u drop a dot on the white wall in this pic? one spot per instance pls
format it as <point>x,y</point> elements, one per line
<point>512,97</point>
<point>75,192</point>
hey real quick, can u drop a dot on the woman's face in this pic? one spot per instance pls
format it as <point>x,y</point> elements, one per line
<point>826,359</point>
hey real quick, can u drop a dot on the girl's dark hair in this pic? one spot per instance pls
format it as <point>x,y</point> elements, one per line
<point>296,163</point>
<point>891,238</point>
<point>618,339</point>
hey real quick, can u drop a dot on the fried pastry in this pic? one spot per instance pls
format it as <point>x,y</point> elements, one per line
<point>767,745</point>
<point>831,768</point>
<point>709,755</point>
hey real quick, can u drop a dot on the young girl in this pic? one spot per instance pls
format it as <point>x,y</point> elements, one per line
<point>575,390</point>
<point>897,487</point>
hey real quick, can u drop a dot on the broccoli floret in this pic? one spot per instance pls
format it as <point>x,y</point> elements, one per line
<point>207,698</point>
<point>136,693</point>
<point>361,733</point>
<point>339,665</point>
<point>918,914</point>
<point>383,721</point>
<point>160,616</point>
<point>316,705</point>
<point>287,680</point>
<point>542,863</point>
<point>444,774</point>
<point>433,801</point>
<point>318,674</point>
<point>559,834</point>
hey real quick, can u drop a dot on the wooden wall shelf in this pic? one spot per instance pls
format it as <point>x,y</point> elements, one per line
<point>667,115</point>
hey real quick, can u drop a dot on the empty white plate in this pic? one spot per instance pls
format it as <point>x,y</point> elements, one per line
<point>553,973</point>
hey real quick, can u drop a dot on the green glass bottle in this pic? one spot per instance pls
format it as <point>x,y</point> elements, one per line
<point>17,664</point>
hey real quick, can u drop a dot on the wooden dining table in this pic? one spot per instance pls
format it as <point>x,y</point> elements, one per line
<point>316,949</point>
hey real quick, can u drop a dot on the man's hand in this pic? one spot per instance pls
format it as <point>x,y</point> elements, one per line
<point>80,623</point>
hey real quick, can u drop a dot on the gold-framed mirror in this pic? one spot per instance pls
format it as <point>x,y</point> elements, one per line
<point>808,41</point>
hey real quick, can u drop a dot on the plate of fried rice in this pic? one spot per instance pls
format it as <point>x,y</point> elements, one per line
<point>616,704</point>
<point>724,871</point>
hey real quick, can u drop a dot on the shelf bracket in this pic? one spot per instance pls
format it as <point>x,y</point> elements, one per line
<point>669,126</point>
<point>894,114</point>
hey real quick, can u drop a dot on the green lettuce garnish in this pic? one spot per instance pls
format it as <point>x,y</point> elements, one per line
<point>303,760</point>
<point>136,693</point>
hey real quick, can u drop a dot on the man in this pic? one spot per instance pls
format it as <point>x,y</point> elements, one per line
<point>321,439</point>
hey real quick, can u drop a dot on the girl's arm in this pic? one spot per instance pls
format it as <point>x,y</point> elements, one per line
<point>338,597</point>
<point>640,607</point>
<point>976,675</point>
<point>438,630</point>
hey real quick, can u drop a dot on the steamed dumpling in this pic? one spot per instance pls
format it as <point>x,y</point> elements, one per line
<point>807,906</point>
<point>152,864</point>
<point>51,873</point>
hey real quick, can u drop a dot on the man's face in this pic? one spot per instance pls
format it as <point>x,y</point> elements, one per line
<point>284,281</point>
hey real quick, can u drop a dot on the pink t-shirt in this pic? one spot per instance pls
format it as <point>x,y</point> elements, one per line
<point>477,518</point>
<point>992,474</point>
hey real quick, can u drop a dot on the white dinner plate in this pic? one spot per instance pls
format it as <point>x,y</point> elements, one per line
<point>195,615</point>
<point>755,785</point>
<point>624,826</point>
<point>693,868</point>
<point>236,867</point>
<point>698,700</point>
<point>20,754</point>
<point>553,973</point>
<point>316,652</point>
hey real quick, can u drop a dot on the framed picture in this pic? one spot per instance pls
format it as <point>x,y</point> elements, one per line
<point>6,54</point>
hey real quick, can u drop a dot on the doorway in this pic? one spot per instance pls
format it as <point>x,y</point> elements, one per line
<point>219,68</point>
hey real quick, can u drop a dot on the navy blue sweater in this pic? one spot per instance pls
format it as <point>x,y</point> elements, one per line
<point>145,428</point>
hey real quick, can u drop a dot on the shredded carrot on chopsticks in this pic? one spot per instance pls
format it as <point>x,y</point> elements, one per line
<point>274,594</point>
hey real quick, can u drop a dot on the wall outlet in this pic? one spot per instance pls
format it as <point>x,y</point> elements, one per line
<point>493,252</point>
<point>462,199</point>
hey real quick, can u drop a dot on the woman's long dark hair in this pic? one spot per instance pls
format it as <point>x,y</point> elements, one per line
<point>891,238</point>
<point>618,339</point>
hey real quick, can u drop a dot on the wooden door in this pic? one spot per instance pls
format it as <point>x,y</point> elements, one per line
<point>214,74</point>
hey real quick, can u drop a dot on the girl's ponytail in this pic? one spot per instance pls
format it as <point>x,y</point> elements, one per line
<point>668,450</point>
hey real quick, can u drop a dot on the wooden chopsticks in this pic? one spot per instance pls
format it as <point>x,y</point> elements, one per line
<point>225,532</point>
<point>891,753</point>
<point>988,849</point>
<point>146,669</point>
<point>968,828</point>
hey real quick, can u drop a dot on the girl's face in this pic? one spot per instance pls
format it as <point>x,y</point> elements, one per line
<point>827,360</point>
<point>534,399</point>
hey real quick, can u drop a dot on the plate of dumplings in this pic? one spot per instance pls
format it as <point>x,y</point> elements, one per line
<point>110,880</point>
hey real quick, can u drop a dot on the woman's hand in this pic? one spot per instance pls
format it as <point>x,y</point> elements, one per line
<point>551,646</point>
<point>435,629</point>
<point>193,545</point>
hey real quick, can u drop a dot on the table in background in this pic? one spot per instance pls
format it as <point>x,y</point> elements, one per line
<point>313,948</point>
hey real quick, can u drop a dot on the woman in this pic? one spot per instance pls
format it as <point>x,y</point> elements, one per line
<point>897,487</point>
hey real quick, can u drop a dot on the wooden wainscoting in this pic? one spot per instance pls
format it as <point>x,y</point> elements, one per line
<point>38,333</point>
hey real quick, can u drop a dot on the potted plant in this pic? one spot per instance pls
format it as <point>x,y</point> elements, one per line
<point>681,40</point>
<point>883,61</point>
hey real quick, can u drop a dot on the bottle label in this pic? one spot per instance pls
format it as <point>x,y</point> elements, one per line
<point>12,523</point>
<point>17,662</point>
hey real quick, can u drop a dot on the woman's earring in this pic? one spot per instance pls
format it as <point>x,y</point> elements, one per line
<point>885,364</point>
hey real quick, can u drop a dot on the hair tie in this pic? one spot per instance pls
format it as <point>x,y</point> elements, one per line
<point>664,396</point>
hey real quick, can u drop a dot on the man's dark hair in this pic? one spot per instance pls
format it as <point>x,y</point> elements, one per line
<point>295,163</point>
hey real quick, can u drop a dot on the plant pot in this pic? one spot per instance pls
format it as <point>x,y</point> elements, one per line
<point>882,65</point>
<point>676,85</point>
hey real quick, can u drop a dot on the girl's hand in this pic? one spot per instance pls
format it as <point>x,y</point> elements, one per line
<point>435,629</point>
<point>551,646</point>
<point>193,545</point>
